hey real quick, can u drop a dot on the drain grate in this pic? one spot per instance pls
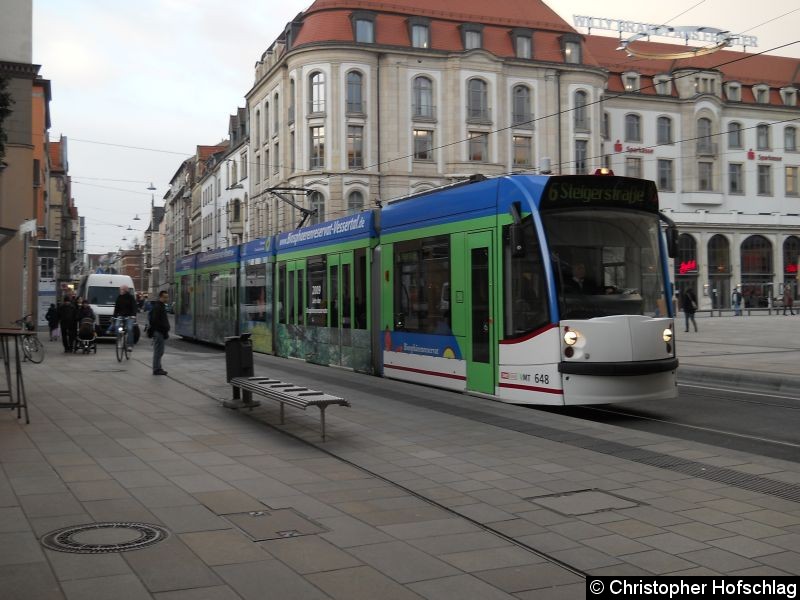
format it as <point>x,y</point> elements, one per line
<point>103,538</point>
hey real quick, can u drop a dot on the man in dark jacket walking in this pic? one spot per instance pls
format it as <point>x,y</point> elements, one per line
<point>159,326</point>
<point>67,318</point>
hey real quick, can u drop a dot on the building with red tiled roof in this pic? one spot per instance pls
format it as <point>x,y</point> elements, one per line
<point>359,101</point>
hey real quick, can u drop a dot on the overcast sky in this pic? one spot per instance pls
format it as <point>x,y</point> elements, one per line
<point>137,85</point>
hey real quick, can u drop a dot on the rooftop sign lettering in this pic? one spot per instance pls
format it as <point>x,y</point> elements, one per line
<point>697,34</point>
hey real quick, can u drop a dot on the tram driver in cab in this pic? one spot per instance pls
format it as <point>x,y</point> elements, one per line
<point>580,282</point>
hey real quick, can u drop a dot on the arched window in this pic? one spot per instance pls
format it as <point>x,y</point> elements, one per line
<point>791,254</point>
<point>704,144</point>
<point>581,115</point>
<point>757,274</point>
<point>664,130</point>
<point>291,101</point>
<point>719,255</point>
<point>237,210</point>
<point>355,92</point>
<point>355,202</point>
<point>477,100</point>
<point>317,202</point>
<point>686,261</point>
<point>633,128</point>
<point>790,139</point>
<point>257,131</point>
<point>317,92</point>
<point>735,135</point>
<point>521,113</point>
<point>762,137</point>
<point>756,256</point>
<point>422,102</point>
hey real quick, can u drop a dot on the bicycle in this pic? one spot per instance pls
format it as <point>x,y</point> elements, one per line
<point>122,338</point>
<point>32,348</point>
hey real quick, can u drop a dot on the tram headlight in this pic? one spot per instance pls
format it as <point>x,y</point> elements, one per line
<point>667,335</point>
<point>571,338</point>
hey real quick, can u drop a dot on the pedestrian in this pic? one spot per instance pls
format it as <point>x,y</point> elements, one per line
<point>689,307</point>
<point>736,299</point>
<point>788,300</point>
<point>125,307</point>
<point>52,321</point>
<point>159,331</point>
<point>67,318</point>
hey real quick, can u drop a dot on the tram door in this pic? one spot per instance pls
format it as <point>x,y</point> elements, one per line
<point>481,334</point>
<point>340,308</point>
<point>291,313</point>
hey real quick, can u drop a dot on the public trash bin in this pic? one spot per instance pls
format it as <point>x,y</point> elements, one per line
<point>238,356</point>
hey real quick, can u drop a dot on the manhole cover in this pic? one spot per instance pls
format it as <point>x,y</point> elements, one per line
<point>102,538</point>
<point>583,502</point>
<point>265,525</point>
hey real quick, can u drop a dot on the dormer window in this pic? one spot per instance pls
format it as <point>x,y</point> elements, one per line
<point>571,47</point>
<point>523,44</point>
<point>734,92</point>
<point>472,36</point>
<point>631,81</point>
<point>761,94</point>
<point>419,30</point>
<point>789,96</point>
<point>363,27</point>
<point>663,85</point>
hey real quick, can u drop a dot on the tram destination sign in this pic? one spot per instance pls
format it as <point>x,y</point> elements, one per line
<point>599,192</point>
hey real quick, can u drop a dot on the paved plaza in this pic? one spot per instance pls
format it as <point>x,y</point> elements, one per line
<point>417,492</point>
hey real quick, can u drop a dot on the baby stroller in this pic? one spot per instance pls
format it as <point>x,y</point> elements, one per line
<point>87,337</point>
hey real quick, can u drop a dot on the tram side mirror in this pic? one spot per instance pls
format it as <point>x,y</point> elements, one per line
<point>516,240</point>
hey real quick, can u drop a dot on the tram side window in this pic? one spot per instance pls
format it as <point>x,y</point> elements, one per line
<point>282,294</point>
<point>255,299</point>
<point>525,303</point>
<point>184,304</point>
<point>360,288</point>
<point>316,294</point>
<point>421,273</point>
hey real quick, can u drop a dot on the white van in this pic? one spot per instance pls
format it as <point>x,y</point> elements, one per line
<point>101,290</point>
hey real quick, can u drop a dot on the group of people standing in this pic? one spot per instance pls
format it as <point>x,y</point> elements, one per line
<point>65,318</point>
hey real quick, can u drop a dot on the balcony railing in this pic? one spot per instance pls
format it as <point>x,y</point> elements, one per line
<point>355,109</point>
<point>522,121</point>
<point>583,124</point>
<point>479,115</point>
<point>423,112</point>
<point>706,148</point>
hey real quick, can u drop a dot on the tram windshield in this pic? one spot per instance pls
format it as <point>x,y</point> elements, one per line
<point>605,262</point>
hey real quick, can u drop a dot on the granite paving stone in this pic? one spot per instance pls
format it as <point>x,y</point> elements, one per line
<point>484,559</point>
<point>227,502</point>
<point>221,592</point>
<point>788,562</point>
<point>745,546</point>
<point>223,547</point>
<point>310,554</point>
<point>249,580</point>
<point>402,562</point>
<point>29,581</point>
<point>115,587</point>
<point>658,562</point>
<point>719,560</point>
<point>361,583</point>
<point>18,548</point>
<point>68,566</point>
<point>672,543</point>
<point>163,496</point>
<point>528,577</point>
<point>185,519</point>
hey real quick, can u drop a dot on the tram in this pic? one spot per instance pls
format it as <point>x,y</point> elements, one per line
<point>523,288</point>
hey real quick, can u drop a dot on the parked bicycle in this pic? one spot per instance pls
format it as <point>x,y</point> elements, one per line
<point>32,348</point>
<point>122,336</point>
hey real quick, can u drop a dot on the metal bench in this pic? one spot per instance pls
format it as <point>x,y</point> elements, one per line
<point>285,393</point>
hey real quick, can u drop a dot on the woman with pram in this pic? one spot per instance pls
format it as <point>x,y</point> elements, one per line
<point>86,333</point>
